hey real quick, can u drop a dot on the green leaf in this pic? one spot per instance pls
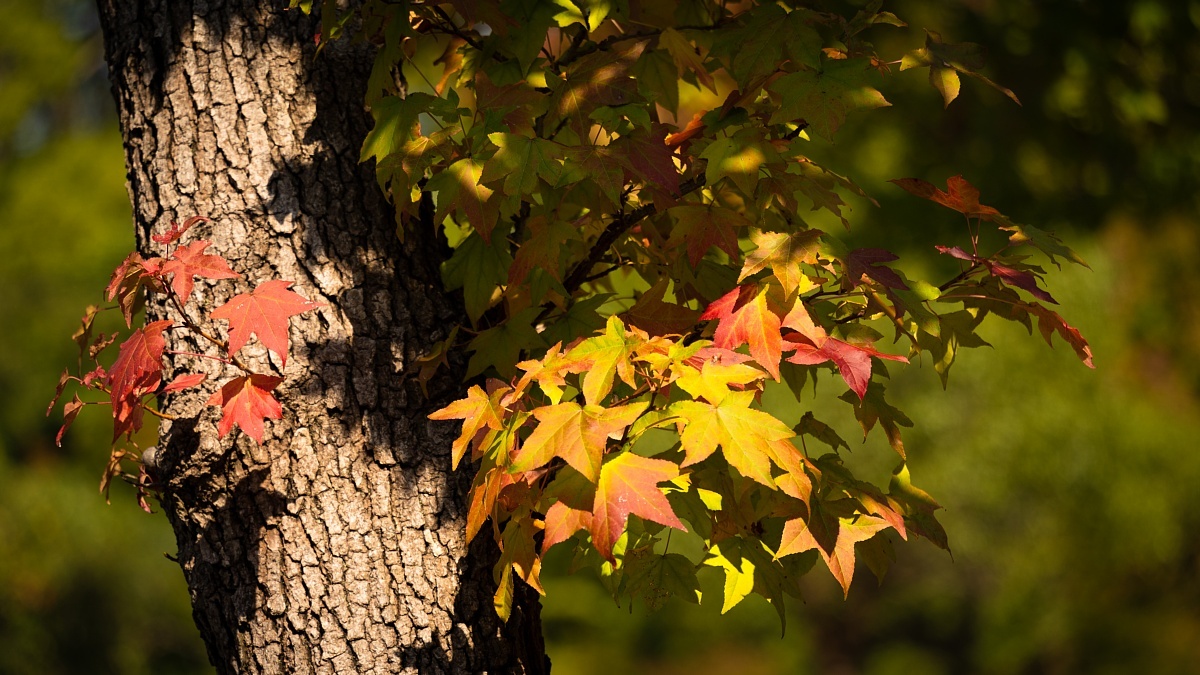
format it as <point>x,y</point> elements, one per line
<point>823,99</point>
<point>500,347</point>
<point>478,267</point>
<point>458,188</point>
<point>520,161</point>
<point>395,123</point>
<point>661,576</point>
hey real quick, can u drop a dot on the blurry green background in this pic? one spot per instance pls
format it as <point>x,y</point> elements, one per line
<point>1070,495</point>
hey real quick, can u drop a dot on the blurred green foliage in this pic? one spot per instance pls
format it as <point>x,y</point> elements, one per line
<point>1069,493</point>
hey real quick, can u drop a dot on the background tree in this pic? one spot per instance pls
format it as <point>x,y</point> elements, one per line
<point>625,623</point>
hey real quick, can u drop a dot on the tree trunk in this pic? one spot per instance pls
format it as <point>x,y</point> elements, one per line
<point>337,544</point>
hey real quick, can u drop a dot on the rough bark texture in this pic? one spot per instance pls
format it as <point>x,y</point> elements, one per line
<point>337,545</point>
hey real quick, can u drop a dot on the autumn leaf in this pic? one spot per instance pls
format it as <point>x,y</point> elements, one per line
<point>264,312</point>
<point>246,401</point>
<point>629,486</point>
<point>175,231</point>
<point>960,196</point>
<point>132,276</point>
<point>601,357</point>
<point>798,537</point>
<point>647,156</point>
<point>184,381</point>
<point>748,438</point>
<point>783,253</point>
<point>598,79</point>
<point>478,411</point>
<point>700,227</point>
<point>137,371</point>
<point>578,434</point>
<point>868,262</point>
<point>657,317</point>
<point>744,317</point>
<point>190,261</point>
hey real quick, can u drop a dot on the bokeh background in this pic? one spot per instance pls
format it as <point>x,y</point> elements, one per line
<point>1071,495</point>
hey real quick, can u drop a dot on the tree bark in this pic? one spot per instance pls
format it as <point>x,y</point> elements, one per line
<point>337,544</point>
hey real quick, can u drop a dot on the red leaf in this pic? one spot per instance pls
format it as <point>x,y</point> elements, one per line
<point>70,410</point>
<point>263,312</point>
<point>1049,323</point>
<point>961,196</point>
<point>867,261</point>
<point>852,361</point>
<point>129,278</point>
<point>178,230</point>
<point>745,318</point>
<point>186,381</point>
<point>189,261</point>
<point>137,371</point>
<point>246,402</point>
<point>1020,279</point>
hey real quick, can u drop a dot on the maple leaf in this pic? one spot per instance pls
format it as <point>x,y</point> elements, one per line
<point>520,161</point>
<point>749,438</point>
<point>478,267</point>
<point>648,157</point>
<point>960,196</point>
<point>264,312</point>
<point>185,381</point>
<point>783,253</point>
<point>458,187</point>
<point>602,357</point>
<point>478,411</point>
<point>701,227</point>
<point>176,230</point>
<point>798,537</point>
<point>543,250</point>
<point>190,261</point>
<point>744,317</point>
<point>867,261</point>
<point>1046,242</point>
<point>70,412</point>
<point>137,371</point>
<point>1050,323</point>
<point>687,60</point>
<point>656,317</point>
<point>946,61</point>
<point>395,124</point>
<point>873,408</point>
<point>629,486</point>
<point>131,276</point>
<point>598,79</point>
<point>852,361</point>
<point>578,434</point>
<point>246,401</point>
<point>824,98</point>
<point>740,158</point>
<point>712,382</point>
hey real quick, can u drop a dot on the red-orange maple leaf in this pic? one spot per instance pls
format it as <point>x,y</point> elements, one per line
<point>960,195</point>
<point>246,401</point>
<point>185,381</point>
<point>190,261</point>
<point>629,485</point>
<point>137,371</point>
<point>263,312</point>
<point>745,318</point>
<point>649,158</point>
